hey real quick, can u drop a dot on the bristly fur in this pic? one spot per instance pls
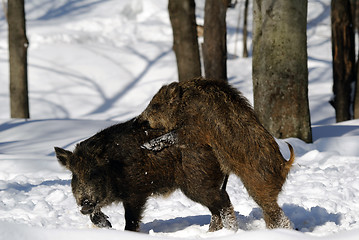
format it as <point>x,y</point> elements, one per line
<point>210,112</point>
<point>111,167</point>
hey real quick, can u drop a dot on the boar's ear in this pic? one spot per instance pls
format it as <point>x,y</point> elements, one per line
<point>174,93</point>
<point>63,156</point>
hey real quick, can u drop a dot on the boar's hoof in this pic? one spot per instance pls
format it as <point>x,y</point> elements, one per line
<point>99,219</point>
<point>161,142</point>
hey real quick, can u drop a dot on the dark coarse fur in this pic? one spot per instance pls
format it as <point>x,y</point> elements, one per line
<point>213,113</point>
<point>111,167</point>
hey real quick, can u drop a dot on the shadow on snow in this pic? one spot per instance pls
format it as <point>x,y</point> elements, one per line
<point>27,187</point>
<point>303,220</point>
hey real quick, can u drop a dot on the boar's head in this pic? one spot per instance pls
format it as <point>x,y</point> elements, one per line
<point>88,179</point>
<point>162,112</point>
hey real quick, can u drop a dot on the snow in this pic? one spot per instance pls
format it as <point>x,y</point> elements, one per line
<point>94,63</point>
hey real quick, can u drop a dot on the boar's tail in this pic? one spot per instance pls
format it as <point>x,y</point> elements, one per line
<point>289,163</point>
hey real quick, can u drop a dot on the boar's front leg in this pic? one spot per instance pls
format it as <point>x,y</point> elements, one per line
<point>99,219</point>
<point>133,213</point>
<point>161,142</point>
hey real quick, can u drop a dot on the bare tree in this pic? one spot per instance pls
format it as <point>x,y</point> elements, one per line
<point>4,7</point>
<point>280,81</point>
<point>245,32</point>
<point>354,5</point>
<point>18,44</point>
<point>343,51</point>
<point>214,39</point>
<point>185,42</point>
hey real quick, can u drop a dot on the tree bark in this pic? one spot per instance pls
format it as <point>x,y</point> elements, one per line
<point>214,39</point>
<point>280,71</point>
<point>354,5</point>
<point>245,50</point>
<point>356,95</point>
<point>343,51</point>
<point>18,44</point>
<point>185,42</point>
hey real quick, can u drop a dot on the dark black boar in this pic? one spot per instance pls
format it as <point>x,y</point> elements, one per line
<point>212,113</point>
<point>112,167</point>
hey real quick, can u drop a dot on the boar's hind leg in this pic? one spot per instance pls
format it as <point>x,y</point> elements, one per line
<point>225,210</point>
<point>265,194</point>
<point>204,183</point>
<point>218,203</point>
<point>133,212</point>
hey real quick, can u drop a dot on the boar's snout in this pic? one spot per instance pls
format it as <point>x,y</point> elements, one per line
<point>87,207</point>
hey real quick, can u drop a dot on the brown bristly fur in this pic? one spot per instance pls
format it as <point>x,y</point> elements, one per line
<point>210,112</point>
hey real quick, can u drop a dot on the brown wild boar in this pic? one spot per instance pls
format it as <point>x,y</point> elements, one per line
<point>209,112</point>
<point>112,167</point>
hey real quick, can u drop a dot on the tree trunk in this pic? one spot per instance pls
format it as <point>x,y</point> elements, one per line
<point>343,51</point>
<point>280,81</point>
<point>354,5</point>
<point>4,7</point>
<point>18,44</point>
<point>185,42</point>
<point>214,39</point>
<point>245,51</point>
<point>356,94</point>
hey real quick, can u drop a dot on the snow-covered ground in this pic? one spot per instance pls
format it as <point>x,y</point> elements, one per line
<point>94,63</point>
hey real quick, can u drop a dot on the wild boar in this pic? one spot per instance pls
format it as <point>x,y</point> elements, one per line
<point>112,167</point>
<point>211,112</point>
